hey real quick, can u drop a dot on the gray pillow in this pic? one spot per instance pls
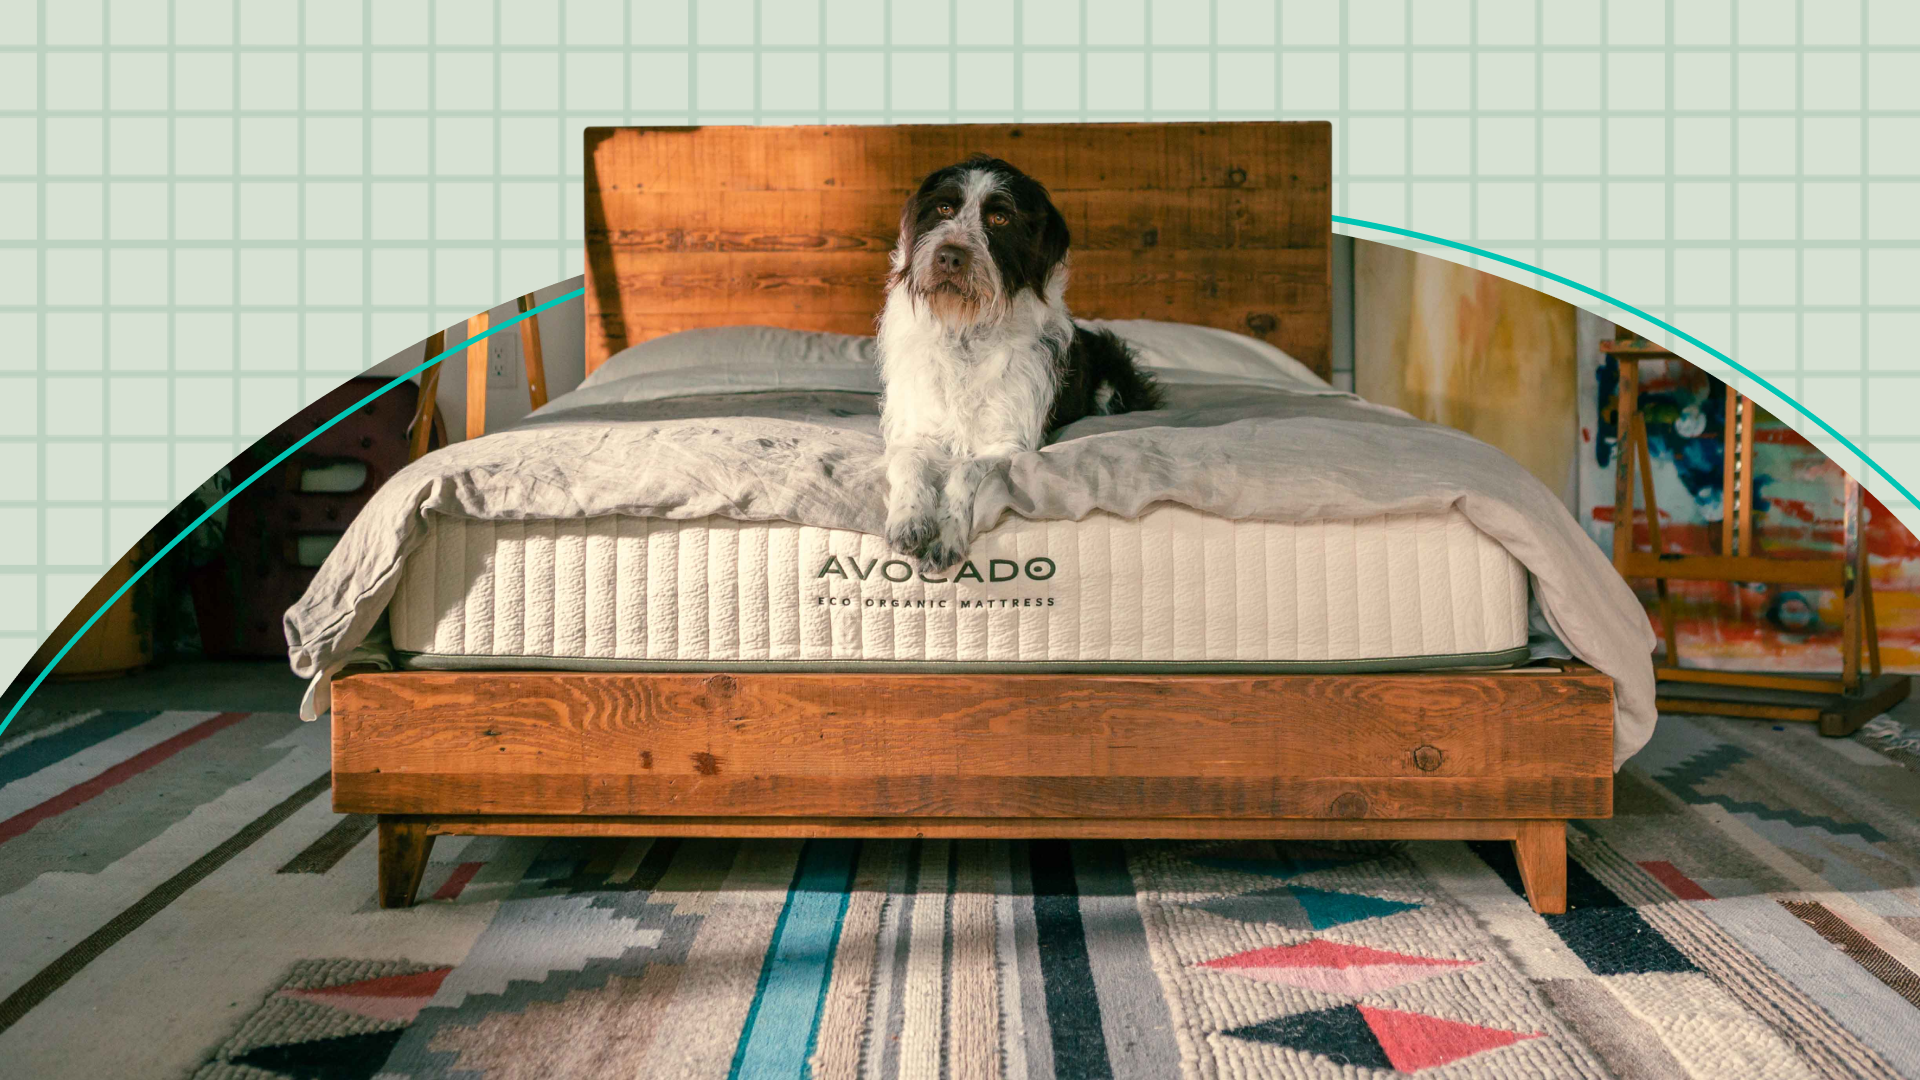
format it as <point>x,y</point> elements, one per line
<point>719,348</point>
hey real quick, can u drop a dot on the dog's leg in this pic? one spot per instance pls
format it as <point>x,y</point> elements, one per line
<point>913,497</point>
<point>956,512</point>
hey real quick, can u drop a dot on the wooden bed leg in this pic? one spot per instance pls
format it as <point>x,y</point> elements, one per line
<point>1540,847</point>
<point>404,846</point>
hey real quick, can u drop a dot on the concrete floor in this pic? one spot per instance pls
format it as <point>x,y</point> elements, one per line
<point>215,685</point>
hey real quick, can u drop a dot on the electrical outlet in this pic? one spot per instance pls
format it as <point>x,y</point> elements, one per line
<point>500,366</point>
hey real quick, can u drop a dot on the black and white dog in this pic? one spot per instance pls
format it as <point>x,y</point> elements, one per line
<point>978,355</point>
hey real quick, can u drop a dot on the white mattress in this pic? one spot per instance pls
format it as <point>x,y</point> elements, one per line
<point>1174,586</point>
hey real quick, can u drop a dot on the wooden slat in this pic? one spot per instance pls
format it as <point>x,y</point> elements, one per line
<point>1852,614</point>
<point>1222,225</point>
<point>855,223</point>
<point>530,352</point>
<point>1669,631</point>
<point>1034,725</point>
<point>1374,746</point>
<point>1647,493</point>
<point>476,378</point>
<point>708,221</point>
<point>425,411</point>
<point>996,828</point>
<point>1067,157</point>
<point>778,283</point>
<point>620,792</point>
<point>1729,469</point>
<point>1871,623</point>
<point>1837,714</point>
<point>1627,403</point>
<point>1799,683</point>
<point>647,326</point>
<point>1746,710</point>
<point>767,284</point>
<point>1818,573</point>
<point>1746,477</point>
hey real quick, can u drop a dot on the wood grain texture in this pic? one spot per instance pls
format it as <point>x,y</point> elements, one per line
<point>476,377</point>
<point>1669,630</point>
<point>404,847</point>
<point>531,354</point>
<point>1837,714</point>
<point>1220,224</point>
<point>973,828</point>
<point>1853,555</point>
<point>1540,848</point>
<point>420,432</point>
<point>1628,402</point>
<point>1745,709</point>
<point>1058,796</point>
<point>1817,573</point>
<point>1744,493</point>
<point>1044,746</point>
<point>1792,683</point>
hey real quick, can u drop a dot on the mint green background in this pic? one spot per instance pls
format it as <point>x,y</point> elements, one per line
<point>211,213</point>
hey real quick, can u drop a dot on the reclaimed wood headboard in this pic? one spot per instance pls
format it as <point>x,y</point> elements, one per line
<point>1221,224</point>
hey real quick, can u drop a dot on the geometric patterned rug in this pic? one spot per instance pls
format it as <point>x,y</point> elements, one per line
<point>181,902</point>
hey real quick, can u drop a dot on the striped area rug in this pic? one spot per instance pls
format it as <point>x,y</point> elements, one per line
<point>181,902</point>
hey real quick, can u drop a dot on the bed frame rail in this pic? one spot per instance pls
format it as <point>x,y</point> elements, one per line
<point>1485,755</point>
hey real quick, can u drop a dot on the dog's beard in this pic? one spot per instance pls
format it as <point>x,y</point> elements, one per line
<point>958,304</point>
<point>952,304</point>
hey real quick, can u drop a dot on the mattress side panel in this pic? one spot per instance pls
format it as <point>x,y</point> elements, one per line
<point>1172,585</point>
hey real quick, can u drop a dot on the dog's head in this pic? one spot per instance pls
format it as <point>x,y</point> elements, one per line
<point>974,237</point>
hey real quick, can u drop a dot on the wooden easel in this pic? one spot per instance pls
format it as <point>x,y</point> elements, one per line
<point>427,421</point>
<point>1840,705</point>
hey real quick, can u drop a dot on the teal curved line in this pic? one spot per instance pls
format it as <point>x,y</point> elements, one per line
<point>558,300</point>
<point>248,482</point>
<point>1655,320</point>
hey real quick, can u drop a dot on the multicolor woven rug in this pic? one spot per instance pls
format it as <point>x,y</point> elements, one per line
<point>180,902</point>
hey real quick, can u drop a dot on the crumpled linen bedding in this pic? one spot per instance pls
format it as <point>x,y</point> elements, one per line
<point>766,442</point>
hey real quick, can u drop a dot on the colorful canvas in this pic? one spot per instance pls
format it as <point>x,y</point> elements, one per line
<point>1798,513</point>
<point>1470,350</point>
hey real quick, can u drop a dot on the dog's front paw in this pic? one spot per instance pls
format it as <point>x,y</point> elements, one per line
<point>941,555</point>
<point>911,536</point>
<point>947,549</point>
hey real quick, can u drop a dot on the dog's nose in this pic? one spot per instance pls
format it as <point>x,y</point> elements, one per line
<point>951,258</point>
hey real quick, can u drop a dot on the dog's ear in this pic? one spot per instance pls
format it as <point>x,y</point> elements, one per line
<point>909,213</point>
<point>1054,238</point>
<point>903,244</point>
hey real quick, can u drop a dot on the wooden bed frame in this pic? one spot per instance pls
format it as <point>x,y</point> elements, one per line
<point>1218,224</point>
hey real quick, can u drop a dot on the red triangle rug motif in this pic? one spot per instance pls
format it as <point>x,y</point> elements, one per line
<point>1414,1042</point>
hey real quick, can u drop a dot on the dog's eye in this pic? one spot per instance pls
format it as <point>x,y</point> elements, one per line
<point>945,209</point>
<point>999,217</point>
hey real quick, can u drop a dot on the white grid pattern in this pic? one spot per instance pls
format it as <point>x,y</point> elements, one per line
<point>211,212</point>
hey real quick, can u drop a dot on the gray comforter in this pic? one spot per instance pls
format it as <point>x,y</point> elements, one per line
<point>804,447</point>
